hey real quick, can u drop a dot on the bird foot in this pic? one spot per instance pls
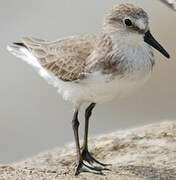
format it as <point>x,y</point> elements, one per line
<point>81,167</point>
<point>86,156</point>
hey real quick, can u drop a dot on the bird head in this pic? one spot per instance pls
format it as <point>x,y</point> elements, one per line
<point>131,24</point>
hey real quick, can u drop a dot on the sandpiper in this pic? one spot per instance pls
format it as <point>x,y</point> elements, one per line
<point>95,68</point>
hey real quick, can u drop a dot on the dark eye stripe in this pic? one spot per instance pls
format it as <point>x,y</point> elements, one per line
<point>135,28</point>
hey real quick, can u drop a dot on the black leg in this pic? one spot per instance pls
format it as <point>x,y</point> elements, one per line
<point>88,113</point>
<point>86,156</point>
<point>75,125</point>
<point>80,166</point>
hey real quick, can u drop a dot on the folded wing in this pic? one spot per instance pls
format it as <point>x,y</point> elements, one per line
<point>65,58</point>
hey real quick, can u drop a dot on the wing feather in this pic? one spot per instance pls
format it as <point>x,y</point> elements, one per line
<point>65,58</point>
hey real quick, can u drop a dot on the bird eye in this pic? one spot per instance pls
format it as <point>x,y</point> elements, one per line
<point>128,22</point>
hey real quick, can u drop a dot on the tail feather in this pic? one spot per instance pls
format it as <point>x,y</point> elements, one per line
<point>21,51</point>
<point>20,44</point>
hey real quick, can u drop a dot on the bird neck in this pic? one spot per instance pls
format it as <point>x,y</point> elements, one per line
<point>129,46</point>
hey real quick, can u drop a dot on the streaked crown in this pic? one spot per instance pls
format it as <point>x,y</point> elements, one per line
<point>128,17</point>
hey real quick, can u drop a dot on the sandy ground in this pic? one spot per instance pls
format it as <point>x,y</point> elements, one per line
<point>143,153</point>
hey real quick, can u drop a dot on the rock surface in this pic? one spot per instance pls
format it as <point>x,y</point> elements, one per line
<point>143,153</point>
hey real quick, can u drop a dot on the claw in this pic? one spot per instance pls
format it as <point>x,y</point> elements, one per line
<point>86,156</point>
<point>81,167</point>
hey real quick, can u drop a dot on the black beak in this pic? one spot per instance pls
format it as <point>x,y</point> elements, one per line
<point>148,38</point>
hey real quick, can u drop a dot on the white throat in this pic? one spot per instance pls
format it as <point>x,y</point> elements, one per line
<point>133,53</point>
<point>131,45</point>
<point>130,39</point>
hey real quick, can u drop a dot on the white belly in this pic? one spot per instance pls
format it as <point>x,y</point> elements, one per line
<point>99,88</point>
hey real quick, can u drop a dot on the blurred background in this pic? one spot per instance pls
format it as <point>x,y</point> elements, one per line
<point>33,117</point>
